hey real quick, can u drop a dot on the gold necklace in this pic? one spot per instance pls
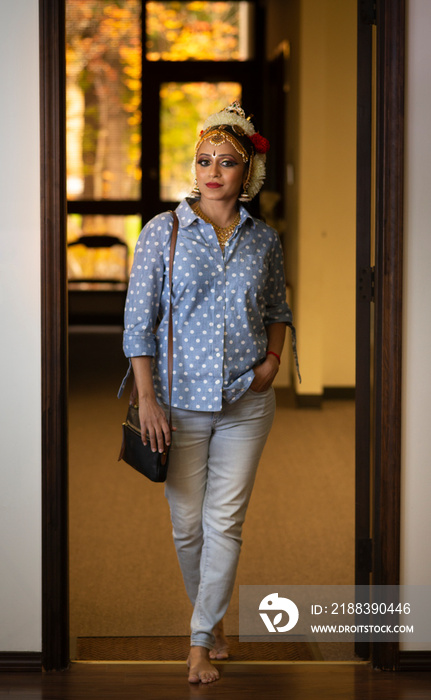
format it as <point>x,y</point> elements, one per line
<point>223,234</point>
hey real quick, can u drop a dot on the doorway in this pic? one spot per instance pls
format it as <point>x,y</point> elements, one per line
<point>55,345</point>
<point>102,518</point>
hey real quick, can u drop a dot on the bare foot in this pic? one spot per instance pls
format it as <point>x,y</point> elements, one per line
<point>200,667</point>
<point>221,647</point>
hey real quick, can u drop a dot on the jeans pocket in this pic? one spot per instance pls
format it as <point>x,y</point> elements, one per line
<point>260,393</point>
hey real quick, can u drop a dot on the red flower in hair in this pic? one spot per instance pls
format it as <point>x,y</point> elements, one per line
<point>260,143</point>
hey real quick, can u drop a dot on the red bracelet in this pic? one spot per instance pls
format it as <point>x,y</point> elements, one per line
<point>270,352</point>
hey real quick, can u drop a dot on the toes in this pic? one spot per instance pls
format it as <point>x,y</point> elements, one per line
<point>209,677</point>
<point>194,678</point>
<point>203,677</point>
<point>219,654</point>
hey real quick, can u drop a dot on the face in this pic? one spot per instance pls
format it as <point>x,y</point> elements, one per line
<point>220,171</point>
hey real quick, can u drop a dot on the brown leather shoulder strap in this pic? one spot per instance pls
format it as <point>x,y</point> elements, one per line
<point>171,329</point>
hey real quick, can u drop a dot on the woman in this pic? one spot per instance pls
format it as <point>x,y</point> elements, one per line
<point>230,316</point>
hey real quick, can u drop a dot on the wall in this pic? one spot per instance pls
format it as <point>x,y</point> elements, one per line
<point>416,402</point>
<point>20,512</point>
<point>321,147</point>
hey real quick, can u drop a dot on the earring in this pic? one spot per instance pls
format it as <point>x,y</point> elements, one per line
<point>195,191</point>
<point>245,197</point>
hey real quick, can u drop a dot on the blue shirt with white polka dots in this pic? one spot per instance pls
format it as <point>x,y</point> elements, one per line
<point>221,304</point>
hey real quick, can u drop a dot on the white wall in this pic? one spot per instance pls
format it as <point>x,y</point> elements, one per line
<point>416,451</point>
<point>20,358</point>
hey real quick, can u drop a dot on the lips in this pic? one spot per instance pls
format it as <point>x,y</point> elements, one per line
<point>213,185</point>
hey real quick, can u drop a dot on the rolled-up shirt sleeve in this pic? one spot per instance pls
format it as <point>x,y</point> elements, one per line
<point>277,309</point>
<point>144,291</point>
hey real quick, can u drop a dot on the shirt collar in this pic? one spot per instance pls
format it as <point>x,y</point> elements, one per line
<point>187,216</point>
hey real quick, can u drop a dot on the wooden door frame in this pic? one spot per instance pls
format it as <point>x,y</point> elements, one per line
<point>55,570</point>
<point>387,426</point>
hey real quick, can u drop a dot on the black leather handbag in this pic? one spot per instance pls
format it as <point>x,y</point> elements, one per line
<point>153,465</point>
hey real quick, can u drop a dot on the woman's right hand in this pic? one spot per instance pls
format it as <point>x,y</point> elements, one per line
<point>154,425</point>
<point>264,374</point>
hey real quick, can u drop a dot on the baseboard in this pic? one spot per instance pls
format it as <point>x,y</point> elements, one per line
<point>20,661</point>
<point>414,661</point>
<point>309,400</point>
<point>330,393</point>
<point>343,393</point>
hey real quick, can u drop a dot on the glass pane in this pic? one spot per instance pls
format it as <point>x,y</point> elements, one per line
<point>198,31</point>
<point>100,249</point>
<point>184,108</point>
<point>103,96</point>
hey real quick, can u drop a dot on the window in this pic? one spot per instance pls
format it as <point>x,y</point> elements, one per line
<point>99,250</point>
<point>198,31</point>
<point>103,98</point>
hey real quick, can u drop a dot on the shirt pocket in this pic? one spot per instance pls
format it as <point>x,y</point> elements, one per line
<point>252,271</point>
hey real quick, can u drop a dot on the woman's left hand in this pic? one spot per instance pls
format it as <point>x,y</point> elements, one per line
<point>264,374</point>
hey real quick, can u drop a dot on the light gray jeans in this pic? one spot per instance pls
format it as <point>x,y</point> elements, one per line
<point>212,468</point>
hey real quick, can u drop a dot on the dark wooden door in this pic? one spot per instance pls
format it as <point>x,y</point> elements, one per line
<point>380,174</point>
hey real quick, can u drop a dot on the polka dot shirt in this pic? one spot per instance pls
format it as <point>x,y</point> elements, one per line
<point>221,305</point>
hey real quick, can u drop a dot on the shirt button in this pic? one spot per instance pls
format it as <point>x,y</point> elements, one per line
<point>220,298</point>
